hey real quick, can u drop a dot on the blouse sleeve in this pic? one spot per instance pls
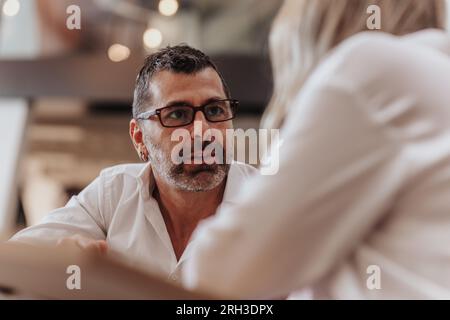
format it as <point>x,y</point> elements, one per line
<point>335,179</point>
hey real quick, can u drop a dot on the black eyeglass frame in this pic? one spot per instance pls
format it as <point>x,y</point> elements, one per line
<point>157,112</point>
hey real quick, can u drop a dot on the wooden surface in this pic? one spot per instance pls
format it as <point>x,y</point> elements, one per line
<point>40,272</point>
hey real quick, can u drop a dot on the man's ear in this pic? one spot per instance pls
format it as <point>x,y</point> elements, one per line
<point>137,137</point>
<point>135,133</point>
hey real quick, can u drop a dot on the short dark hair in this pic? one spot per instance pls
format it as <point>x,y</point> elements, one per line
<point>178,59</point>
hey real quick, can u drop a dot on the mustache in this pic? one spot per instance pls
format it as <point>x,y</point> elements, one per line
<point>179,169</point>
<point>200,145</point>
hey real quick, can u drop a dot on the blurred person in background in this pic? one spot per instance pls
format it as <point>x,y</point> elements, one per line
<point>146,213</point>
<point>360,206</point>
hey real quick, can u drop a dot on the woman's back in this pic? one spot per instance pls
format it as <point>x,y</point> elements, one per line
<point>402,88</point>
<point>362,205</point>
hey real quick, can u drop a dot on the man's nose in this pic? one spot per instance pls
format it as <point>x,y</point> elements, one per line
<point>199,119</point>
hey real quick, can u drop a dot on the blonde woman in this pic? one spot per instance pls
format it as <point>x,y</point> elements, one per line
<point>360,207</point>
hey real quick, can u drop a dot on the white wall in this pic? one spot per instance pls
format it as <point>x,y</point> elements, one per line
<point>19,35</point>
<point>13,120</point>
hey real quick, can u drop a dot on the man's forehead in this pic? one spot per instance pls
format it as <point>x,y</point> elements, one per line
<point>168,86</point>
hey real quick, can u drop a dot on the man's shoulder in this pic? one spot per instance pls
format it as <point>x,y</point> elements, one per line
<point>120,181</point>
<point>127,169</point>
<point>122,177</point>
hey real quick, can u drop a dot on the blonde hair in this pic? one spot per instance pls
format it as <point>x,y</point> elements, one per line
<point>305,30</point>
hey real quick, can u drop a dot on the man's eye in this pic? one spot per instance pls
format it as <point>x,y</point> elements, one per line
<point>215,111</point>
<point>177,114</point>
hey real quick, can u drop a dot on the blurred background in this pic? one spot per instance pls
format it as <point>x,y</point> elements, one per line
<point>66,94</point>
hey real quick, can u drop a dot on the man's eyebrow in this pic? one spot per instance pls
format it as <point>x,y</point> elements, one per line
<point>180,103</point>
<point>213,99</point>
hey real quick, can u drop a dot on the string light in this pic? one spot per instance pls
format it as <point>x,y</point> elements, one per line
<point>168,7</point>
<point>152,38</point>
<point>11,8</point>
<point>118,52</point>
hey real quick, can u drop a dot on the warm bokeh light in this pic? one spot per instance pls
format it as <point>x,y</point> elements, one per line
<point>152,38</point>
<point>168,7</point>
<point>118,52</point>
<point>11,8</point>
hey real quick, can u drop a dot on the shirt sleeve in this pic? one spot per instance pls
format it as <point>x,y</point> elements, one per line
<point>82,215</point>
<point>335,179</point>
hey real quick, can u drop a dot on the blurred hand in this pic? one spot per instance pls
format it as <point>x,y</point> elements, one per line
<point>98,246</point>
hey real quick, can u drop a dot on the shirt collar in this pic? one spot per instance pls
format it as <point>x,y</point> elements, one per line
<point>146,181</point>
<point>235,179</point>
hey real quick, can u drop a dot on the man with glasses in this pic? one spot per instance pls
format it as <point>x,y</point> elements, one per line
<point>147,212</point>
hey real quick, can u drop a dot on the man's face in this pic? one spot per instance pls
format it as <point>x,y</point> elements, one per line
<point>167,88</point>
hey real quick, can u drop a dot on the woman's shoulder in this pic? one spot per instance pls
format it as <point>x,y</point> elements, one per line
<point>367,42</point>
<point>365,54</point>
<point>374,51</point>
<point>372,60</point>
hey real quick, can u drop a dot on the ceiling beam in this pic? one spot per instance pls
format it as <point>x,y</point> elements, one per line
<point>96,78</point>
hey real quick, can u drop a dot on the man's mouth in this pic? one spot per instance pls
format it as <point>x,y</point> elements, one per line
<point>195,169</point>
<point>198,154</point>
<point>201,157</point>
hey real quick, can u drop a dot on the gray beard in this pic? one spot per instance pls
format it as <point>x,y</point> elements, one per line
<point>204,177</point>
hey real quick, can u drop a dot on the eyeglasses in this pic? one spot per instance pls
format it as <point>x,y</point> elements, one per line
<point>183,115</point>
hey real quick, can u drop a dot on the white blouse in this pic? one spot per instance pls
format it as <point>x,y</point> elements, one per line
<point>360,208</point>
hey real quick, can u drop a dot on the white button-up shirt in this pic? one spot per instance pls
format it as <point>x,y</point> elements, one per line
<point>118,207</point>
